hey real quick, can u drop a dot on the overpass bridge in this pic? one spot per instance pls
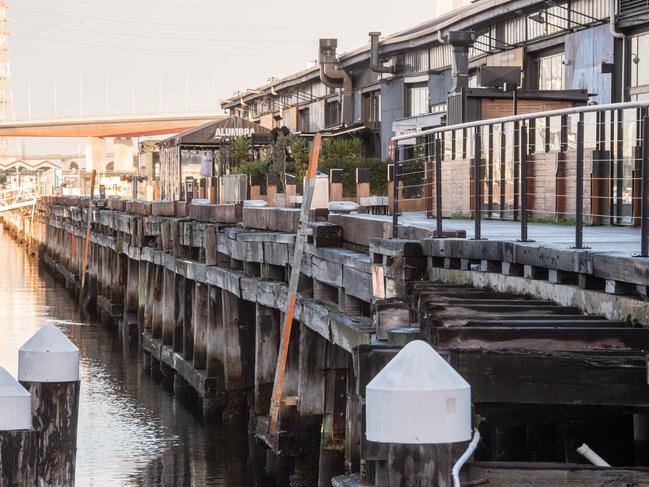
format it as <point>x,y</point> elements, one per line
<point>107,126</point>
<point>96,129</point>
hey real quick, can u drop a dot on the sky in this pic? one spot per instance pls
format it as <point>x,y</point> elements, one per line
<point>100,57</point>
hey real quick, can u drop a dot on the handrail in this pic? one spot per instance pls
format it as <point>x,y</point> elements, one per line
<point>526,116</point>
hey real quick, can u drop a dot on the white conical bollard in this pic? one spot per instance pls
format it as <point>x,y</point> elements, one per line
<point>17,440</point>
<point>418,398</point>
<point>48,356</point>
<point>48,367</point>
<point>15,404</point>
<point>418,405</point>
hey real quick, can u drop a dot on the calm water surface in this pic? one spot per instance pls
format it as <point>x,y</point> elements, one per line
<point>131,431</point>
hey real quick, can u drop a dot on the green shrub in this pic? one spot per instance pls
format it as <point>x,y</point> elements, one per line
<point>253,168</point>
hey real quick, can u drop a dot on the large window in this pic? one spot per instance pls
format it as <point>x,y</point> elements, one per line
<point>551,72</point>
<point>416,102</point>
<point>371,106</point>
<point>332,114</point>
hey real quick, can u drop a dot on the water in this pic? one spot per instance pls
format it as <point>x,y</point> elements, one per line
<point>132,432</point>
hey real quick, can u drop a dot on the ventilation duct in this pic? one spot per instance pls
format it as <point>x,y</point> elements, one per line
<point>333,76</point>
<point>460,41</point>
<point>375,63</point>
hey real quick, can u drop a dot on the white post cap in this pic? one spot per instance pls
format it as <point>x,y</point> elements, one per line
<point>15,404</point>
<point>418,398</point>
<point>48,356</point>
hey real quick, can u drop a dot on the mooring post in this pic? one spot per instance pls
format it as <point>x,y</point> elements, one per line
<point>17,446</point>
<point>48,368</point>
<point>439,414</point>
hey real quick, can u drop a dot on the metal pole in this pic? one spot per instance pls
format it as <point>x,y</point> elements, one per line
<point>644,193</point>
<point>438,185</point>
<point>579,191</point>
<point>395,194</point>
<point>476,178</point>
<point>523,149</point>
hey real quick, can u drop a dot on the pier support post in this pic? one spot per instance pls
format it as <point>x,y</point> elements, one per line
<point>188,322</point>
<point>311,394</point>
<point>332,444</point>
<point>200,325</point>
<point>179,313</point>
<point>48,367</point>
<point>131,300</point>
<point>156,319</point>
<point>142,294</point>
<point>168,307</point>
<point>17,441</point>
<point>267,328</point>
<point>235,325</point>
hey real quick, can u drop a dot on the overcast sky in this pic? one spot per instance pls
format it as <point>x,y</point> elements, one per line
<point>73,57</point>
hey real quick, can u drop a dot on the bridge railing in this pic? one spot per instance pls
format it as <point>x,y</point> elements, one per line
<point>581,166</point>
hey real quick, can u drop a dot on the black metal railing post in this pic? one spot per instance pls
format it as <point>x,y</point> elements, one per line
<point>477,184</point>
<point>644,190</point>
<point>395,193</point>
<point>438,185</point>
<point>517,161</point>
<point>579,182</point>
<point>523,152</point>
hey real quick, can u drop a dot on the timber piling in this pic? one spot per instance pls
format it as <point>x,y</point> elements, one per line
<point>203,290</point>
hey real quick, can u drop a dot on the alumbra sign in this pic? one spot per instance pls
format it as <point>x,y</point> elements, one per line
<point>231,132</point>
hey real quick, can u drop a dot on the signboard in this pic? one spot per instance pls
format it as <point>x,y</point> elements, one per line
<point>102,191</point>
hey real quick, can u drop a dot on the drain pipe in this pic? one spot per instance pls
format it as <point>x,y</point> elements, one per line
<point>455,473</point>
<point>333,76</point>
<point>591,456</point>
<point>618,35</point>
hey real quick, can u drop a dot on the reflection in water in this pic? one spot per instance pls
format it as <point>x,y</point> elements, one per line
<point>131,430</point>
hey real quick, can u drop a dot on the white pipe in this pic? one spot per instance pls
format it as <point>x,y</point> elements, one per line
<point>618,35</point>
<point>591,456</point>
<point>465,456</point>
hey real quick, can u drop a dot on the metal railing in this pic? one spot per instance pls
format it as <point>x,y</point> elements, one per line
<point>584,166</point>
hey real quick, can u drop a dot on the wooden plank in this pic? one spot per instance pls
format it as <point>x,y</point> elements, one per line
<point>555,475</point>
<point>542,338</point>
<point>546,377</point>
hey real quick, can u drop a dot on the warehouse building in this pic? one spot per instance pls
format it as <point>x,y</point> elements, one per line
<point>561,54</point>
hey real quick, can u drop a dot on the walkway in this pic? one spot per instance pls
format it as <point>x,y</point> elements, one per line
<point>621,239</point>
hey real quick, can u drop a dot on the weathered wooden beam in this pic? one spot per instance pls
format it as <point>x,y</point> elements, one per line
<point>538,474</point>
<point>546,377</point>
<point>555,339</point>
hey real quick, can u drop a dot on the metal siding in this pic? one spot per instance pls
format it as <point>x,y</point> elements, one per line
<point>416,61</point>
<point>439,85</point>
<point>391,110</point>
<point>316,116</point>
<point>358,98</point>
<point>440,56</point>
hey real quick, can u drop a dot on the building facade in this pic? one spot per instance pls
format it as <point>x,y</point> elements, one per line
<point>402,83</point>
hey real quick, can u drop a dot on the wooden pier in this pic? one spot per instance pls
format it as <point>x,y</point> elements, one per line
<point>551,340</point>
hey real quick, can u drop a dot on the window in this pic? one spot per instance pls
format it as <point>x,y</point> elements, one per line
<point>371,106</point>
<point>332,114</point>
<point>639,60</point>
<point>551,72</point>
<point>416,99</point>
<point>303,120</point>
